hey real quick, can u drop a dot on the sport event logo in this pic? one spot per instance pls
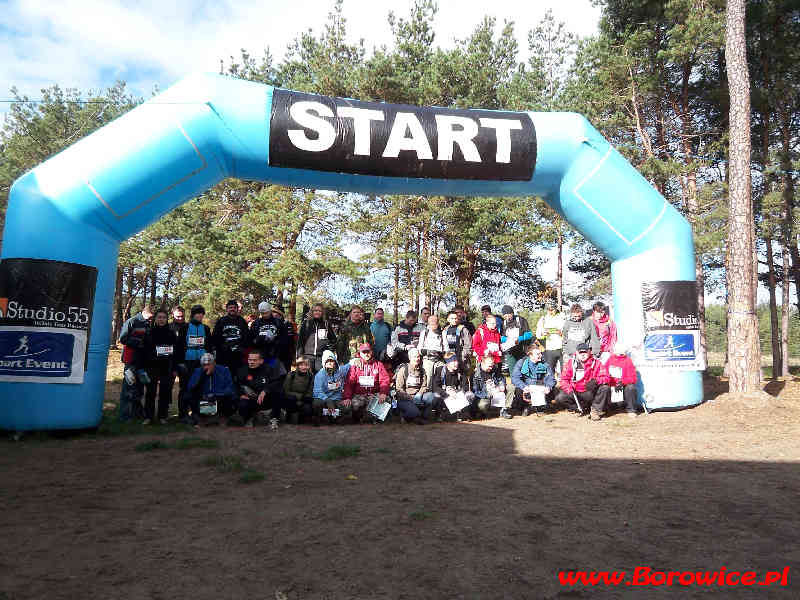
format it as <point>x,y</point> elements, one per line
<point>36,354</point>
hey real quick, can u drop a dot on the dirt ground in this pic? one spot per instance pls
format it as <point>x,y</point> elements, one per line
<point>493,509</point>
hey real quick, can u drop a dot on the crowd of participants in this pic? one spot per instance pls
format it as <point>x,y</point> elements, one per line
<point>262,370</point>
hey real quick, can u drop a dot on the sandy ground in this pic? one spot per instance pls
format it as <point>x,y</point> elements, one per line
<point>493,509</point>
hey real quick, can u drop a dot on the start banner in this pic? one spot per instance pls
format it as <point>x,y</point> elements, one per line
<point>672,326</point>
<point>45,318</point>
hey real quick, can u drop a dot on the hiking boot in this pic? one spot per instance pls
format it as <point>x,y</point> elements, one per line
<point>146,422</point>
<point>249,423</point>
<point>419,421</point>
<point>595,415</point>
<point>235,421</point>
<point>526,411</point>
<point>293,418</point>
<point>273,424</point>
<point>162,421</point>
<point>632,413</point>
<point>505,414</point>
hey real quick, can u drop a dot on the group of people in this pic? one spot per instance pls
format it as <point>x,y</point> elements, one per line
<point>262,372</point>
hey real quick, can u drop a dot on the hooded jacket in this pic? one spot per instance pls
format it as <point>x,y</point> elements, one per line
<point>606,331</point>
<point>579,332</point>
<point>353,385</point>
<point>487,342</point>
<point>620,370</point>
<point>526,372</point>
<point>220,383</point>
<point>572,379</point>
<point>328,387</point>
<point>315,337</point>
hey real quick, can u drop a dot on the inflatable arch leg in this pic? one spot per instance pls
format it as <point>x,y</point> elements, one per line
<point>67,217</point>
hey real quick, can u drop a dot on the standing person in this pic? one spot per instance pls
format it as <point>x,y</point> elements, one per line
<point>381,333</point>
<point>486,341</point>
<point>260,389</point>
<point>424,314</point>
<point>487,382</point>
<point>132,337</point>
<point>159,349</point>
<point>212,383</point>
<point>230,337</point>
<point>431,347</point>
<point>366,379</point>
<point>298,392</point>
<point>462,318</point>
<point>286,348</point>
<point>605,329</point>
<point>194,340</point>
<point>458,340</point>
<point>411,381</point>
<point>578,330</point>
<point>315,337</point>
<point>532,370</point>
<point>328,386</point>
<point>517,336</point>
<point>450,378</point>
<point>622,377</point>
<point>267,334</point>
<point>486,312</point>
<point>354,332</point>
<point>178,319</point>
<point>549,328</point>
<point>404,337</point>
<point>586,377</point>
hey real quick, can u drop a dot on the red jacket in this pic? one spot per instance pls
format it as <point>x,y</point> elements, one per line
<point>592,369</point>
<point>374,369</point>
<point>481,340</point>
<point>607,332</point>
<point>623,362</point>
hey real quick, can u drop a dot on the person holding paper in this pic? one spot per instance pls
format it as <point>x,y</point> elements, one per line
<point>584,379</point>
<point>622,377</point>
<point>410,383</point>
<point>213,384</point>
<point>489,389</point>
<point>366,380</point>
<point>606,331</point>
<point>533,380</point>
<point>315,337</point>
<point>486,341</point>
<point>515,338</point>
<point>549,328</point>
<point>458,340</point>
<point>578,330</point>
<point>328,387</point>
<point>451,389</point>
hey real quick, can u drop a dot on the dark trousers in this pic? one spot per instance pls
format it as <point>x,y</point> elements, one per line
<point>183,379</point>
<point>225,404</point>
<point>161,381</point>
<point>304,407</point>
<point>551,357</point>
<point>598,399</point>
<point>629,394</point>
<point>250,406</point>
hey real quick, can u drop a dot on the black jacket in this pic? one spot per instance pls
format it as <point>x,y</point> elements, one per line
<point>132,335</point>
<point>230,334</point>
<point>269,337</point>
<point>266,377</point>
<point>160,346</point>
<point>308,335</point>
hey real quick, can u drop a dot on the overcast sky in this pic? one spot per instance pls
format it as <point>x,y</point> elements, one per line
<point>90,44</point>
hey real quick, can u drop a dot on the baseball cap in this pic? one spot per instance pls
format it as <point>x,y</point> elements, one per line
<point>507,310</point>
<point>264,307</point>
<point>364,346</point>
<point>582,347</point>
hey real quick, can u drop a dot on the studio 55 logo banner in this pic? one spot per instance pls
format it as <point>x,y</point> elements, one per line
<point>672,326</point>
<point>323,133</point>
<point>45,318</point>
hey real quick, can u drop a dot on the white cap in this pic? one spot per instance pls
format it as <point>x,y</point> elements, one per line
<point>207,359</point>
<point>264,307</point>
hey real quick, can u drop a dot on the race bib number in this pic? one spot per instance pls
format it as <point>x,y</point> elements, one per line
<point>366,381</point>
<point>615,372</point>
<point>330,412</point>
<point>512,333</point>
<point>413,382</point>
<point>579,373</point>
<point>163,350</point>
<point>493,387</point>
<point>452,338</point>
<point>333,385</point>
<point>577,335</point>
<point>493,347</point>
<point>197,341</point>
<point>322,334</point>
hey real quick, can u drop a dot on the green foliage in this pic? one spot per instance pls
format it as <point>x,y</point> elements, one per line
<point>339,452</point>
<point>153,445</point>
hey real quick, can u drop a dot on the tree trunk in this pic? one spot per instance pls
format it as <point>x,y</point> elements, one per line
<point>785,316</point>
<point>773,313</point>
<point>743,347</point>
<point>396,284</point>
<point>291,313</point>
<point>117,324</point>
<point>154,288</point>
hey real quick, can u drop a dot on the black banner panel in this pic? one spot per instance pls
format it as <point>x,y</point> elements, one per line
<point>672,326</point>
<point>324,133</point>
<point>45,317</point>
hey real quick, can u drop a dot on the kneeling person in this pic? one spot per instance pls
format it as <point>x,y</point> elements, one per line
<point>366,380</point>
<point>410,383</point>
<point>622,377</point>
<point>585,377</point>
<point>488,383</point>
<point>529,372</point>
<point>451,380</point>
<point>212,385</point>
<point>298,391</point>
<point>259,388</point>
<point>328,387</point>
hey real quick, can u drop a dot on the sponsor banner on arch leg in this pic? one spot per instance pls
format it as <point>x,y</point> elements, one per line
<point>45,316</point>
<point>672,326</point>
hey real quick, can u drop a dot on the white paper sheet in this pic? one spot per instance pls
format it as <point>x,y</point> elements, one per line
<point>379,409</point>
<point>455,401</point>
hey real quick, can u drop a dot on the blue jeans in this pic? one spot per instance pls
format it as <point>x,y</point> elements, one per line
<point>420,405</point>
<point>130,399</point>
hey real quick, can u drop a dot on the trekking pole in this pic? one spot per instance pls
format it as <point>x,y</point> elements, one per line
<point>577,402</point>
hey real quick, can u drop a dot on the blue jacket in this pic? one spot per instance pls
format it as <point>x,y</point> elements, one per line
<point>479,382</point>
<point>530,373</point>
<point>219,384</point>
<point>321,380</point>
<point>382,332</point>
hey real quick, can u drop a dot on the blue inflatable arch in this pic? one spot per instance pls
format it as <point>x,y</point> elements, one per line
<point>67,217</point>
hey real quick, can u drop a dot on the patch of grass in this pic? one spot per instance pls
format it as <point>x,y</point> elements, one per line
<point>225,463</point>
<point>383,451</point>
<point>152,445</point>
<point>420,515</point>
<point>251,476</point>
<point>188,443</point>
<point>339,452</point>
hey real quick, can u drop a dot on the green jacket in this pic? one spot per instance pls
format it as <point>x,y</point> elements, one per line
<point>299,386</point>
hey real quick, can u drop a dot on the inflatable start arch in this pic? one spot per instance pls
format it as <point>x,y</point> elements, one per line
<point>67,217</point>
